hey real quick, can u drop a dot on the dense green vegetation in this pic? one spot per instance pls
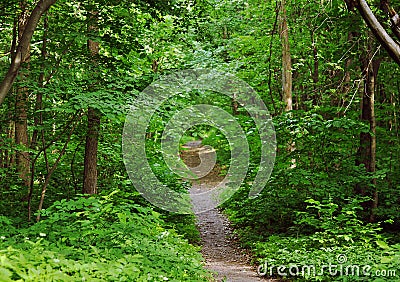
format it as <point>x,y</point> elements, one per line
<point>69,212</point>
<point>98,239</point>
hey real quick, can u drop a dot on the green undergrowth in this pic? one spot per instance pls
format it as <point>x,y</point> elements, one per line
<point>308,214</point>
<point>94,239</point>
<point>327,243</point>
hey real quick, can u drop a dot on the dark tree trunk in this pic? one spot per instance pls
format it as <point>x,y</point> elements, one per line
<point>21,137</point>
<point>90,165</point>
<point>367,148</point>
<point>21,111</point>
<point>92,138</point>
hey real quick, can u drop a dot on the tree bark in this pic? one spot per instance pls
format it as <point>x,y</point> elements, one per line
<point>21,137</point>
<point>38,117</point>
<point>22,52</point>
<point>367,148</point>
<point>21,111</point>
<point>286,60</point>
<point>347,75</point>
<point>271,44</point>
<point>92,138</point>
<point>286,70</point>
<point>91,147</point>
<point>394,17</point>
<point>391,46</point>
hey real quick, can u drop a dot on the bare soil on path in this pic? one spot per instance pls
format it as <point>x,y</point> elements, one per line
<point>220,247</point>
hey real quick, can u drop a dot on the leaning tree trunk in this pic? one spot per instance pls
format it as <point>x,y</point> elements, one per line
<point>22,51</point>
<point>388,42</point>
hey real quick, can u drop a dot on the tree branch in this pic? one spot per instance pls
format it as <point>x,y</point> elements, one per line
<point>22,51</point>
<point>394,17</point>
<point>380,33</point>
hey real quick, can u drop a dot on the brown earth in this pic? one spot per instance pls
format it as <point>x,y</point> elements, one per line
<point>220,248</point>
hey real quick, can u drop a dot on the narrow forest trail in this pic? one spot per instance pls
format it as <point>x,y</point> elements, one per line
<point>220,248</point>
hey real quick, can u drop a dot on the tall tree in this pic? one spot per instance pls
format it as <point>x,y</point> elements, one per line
<point>367,148</point>
<point>21,108</point>
<point>93,127</point>
<point>286,59</point>
<point>286,69</point>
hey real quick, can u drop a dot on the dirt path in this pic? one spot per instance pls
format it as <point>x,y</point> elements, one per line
<point>220,248</point>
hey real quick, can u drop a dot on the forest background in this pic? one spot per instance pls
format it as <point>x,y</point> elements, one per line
<point>327,71</point>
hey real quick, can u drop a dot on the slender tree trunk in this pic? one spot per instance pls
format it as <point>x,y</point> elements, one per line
<point>271,44</point>
<point>51,171</point>
<point>38,117</point>
<point>347,75</point>
<point>315,71</point>
<point>21,112</point>
<point>92,138</point>
<point>367,148</point>
<point>286,70</point>
<point>375,195</point>
<point>286,59</point>
<point>235,105</point>
<point>11,136</point>
<point>21,137</point>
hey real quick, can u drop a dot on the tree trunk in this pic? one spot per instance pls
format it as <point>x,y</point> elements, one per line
<point>347,75</point>
<point>92,138</point>
<point>286,70</point>
<point>286,59</point>
<point>38,117</point>
<point>315,71</point>
<point>21,112</point>
<point>21,137</point>
<point>367,149</point>
<point>235,105</point>
<point>90,165</point>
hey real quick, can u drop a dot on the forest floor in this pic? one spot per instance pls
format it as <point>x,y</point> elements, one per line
<point>220,247</point>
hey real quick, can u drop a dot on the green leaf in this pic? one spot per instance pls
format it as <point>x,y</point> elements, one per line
<point>382,244</point>
<point>387,259</point>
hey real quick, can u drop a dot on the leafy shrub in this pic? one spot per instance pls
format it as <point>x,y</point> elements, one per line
<point>341,248</point>
<point>91,239</point>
